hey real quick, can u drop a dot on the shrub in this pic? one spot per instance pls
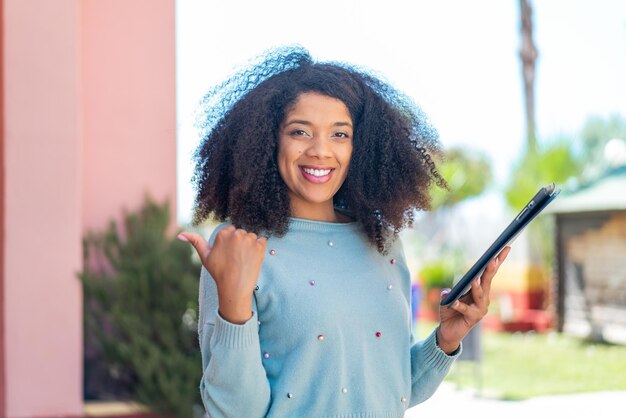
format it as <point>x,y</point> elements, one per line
<point>141,298</point>
<point>437,274</point>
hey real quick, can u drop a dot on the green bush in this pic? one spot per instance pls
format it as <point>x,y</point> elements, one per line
<point>468,174</point>
<point>437,274</point>
<point>141,299</point>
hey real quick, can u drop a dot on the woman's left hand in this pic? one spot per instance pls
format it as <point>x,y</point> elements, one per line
<point>458,320</point>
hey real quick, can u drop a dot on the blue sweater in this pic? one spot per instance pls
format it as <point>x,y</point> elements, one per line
<point>330,334</point>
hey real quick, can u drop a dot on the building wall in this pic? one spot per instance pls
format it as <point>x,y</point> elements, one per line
<point>129,100</point>
<point>592,274</point>
<point>2,344</point>
<point>88,129</point>
<point>42,305</point>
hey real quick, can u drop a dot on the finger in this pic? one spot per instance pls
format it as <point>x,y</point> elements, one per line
<point>460,307</point>
<point>443,309</point>
<point>240,232</point>
<point>497,262</point>
<point>262,241</point>
<point>492,269</point>
<point>478,293</point>
<point>442,295</point>
<point>503,255</point>
<point>201,246</point>
<point>487,277</point>
<point>225,232</point>
<point>471,313</point>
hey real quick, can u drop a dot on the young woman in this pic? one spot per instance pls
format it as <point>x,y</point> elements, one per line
<point>305,293</point>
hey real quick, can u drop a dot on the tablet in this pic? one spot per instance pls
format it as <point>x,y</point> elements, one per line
<point>544,196</point>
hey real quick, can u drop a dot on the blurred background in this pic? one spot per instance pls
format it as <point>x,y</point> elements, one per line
<point>97,129</point>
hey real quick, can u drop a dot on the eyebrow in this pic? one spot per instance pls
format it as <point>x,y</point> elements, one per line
<point>306,122</point>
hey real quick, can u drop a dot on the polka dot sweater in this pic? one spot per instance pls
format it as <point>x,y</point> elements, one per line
<point>330,334</point>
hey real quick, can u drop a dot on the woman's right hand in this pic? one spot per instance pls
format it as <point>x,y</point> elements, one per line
<point>234,262</point>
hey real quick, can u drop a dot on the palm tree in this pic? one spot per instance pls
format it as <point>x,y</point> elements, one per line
<point>528,54</point>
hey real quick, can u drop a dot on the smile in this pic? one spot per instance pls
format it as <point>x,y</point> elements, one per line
<point>315,172</point>
<point>317,175</point>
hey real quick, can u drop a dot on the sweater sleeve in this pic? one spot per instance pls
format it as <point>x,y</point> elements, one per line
<point>233,383</point>
<point>429,366</point>
<point>429,363</point>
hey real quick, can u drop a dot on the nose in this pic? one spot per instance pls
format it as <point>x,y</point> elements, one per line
<point>319,147</point>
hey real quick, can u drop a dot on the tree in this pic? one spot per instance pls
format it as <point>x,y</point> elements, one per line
<point>553,163</point>
<point>528,54</point>
<point>594,137</point>
<point>468,174</point>
<point>577,159</point>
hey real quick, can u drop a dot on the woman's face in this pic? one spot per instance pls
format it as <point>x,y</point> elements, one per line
<point>314,150</point>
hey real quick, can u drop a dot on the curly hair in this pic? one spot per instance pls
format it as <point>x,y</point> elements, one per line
<point>236,174</point>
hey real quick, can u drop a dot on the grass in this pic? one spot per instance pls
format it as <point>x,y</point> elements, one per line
<point>520,366</point>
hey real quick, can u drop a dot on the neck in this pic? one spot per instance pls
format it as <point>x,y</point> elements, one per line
<point>322,213</point>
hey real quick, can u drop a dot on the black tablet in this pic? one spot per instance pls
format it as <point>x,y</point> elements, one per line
<point>544,196</point>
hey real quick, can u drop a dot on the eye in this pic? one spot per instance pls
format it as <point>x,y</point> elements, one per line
<point>297,132</point>
<point>342,135</point>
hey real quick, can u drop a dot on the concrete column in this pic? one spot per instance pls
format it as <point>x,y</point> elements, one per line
<point>42,208</point>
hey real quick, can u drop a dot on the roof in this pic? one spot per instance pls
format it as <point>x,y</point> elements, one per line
<point>606,193</point>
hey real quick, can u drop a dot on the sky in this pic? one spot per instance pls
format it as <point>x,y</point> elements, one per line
<point>457,59</point>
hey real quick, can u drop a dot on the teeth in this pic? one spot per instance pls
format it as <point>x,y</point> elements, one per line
<point>316,173</point>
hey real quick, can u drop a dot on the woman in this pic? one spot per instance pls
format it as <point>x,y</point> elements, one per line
<point>305,293</point>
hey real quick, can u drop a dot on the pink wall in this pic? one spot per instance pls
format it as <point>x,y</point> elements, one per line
<point>129,91</point>
<point>89,129</point>
<point>2,344</point>
<point>42,311</point>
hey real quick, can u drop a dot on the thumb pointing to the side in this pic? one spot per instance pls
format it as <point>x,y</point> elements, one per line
<point>200,244</point>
